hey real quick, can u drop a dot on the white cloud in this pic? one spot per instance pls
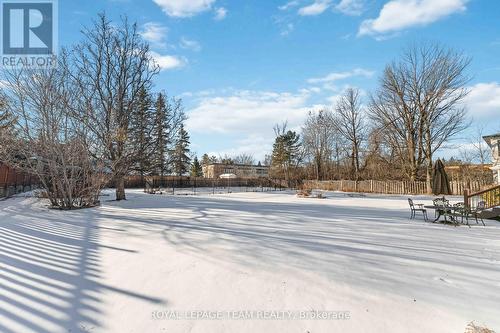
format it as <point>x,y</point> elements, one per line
<point>247,112</point>
<point>220,14</point>
<point>287,29</point>
<point>334,99</point>
<point>154,33</point>
<point>290,4</point>
<point>190,44</point>
<point>250,116</point>
<point>336,76</point>
<point>316,8</point>
<point>310,90</point>
<point>168,62</point>
<point>483,101</point>
<point>350,7</point>
<point>254,145</point>
<point>184,8</point>
<point>398,15</point>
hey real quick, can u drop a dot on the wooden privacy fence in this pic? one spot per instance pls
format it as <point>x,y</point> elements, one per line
<point>13,181</point>
<point>390,187</point>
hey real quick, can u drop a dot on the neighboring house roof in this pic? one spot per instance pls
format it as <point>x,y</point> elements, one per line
<point>473,166</point>
<point>488,138</point>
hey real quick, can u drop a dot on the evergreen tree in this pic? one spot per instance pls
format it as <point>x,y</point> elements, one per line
<point>205,160</point>
<point>160,137</point>
<point>180,153</point>
<point>286,153</point>
<point>141,127</point>
<point>196,168</point>
<point>169,116</point>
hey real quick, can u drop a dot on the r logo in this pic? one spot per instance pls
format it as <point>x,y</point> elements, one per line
<point>28,27</point>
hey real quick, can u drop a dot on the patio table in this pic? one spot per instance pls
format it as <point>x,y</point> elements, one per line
<point>443,211</point>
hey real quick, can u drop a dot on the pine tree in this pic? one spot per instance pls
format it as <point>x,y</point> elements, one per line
<point>169,116</point>
<point>205,160</point>
<point>196,168</point>
<point>141,133</point>
<point>180,153</point>
<point>286,153</point>
<point>160,137</point>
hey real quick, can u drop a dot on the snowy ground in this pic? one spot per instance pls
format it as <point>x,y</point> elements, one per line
<point>123,266</point>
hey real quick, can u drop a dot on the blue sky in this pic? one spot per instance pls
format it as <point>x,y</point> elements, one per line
<point>242,66</point>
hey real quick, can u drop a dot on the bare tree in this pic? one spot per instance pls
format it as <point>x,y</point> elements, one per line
<point>49,143</point>
<point>111,66</point>
<point>439,81</point>
<point>244,158</point>
<point>481,152</point>
<point>7,120</point>
<point>419,103</point>
<point>397,120</point>
<point>318,137</point>
<point>349,123</point>
<point>226,159</point>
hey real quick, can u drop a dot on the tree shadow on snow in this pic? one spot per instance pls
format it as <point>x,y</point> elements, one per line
<point>373,248</point>
<point>50,271</point>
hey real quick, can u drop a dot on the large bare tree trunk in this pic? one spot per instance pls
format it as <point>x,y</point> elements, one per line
<point>111,67</point>
<point>318,139</point>
<point>120,187</point>
<point>419,105</point>
<point>349,122</point>
<point>428,177</point>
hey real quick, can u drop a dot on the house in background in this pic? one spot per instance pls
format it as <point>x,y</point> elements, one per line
<point>494,142</point>
<point>214,170</point>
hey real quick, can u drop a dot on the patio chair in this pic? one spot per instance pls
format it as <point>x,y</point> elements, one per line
<point>440,202</point>
<point>476,212</point>
<point>414,208</point>
<point>460,211</point>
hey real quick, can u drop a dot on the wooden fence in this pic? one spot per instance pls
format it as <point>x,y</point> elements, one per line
<point>12,181</point>
<point>390,187</point>
<point>364,186</point>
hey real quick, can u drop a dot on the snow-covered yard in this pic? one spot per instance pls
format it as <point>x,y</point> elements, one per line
<point>122,266</point>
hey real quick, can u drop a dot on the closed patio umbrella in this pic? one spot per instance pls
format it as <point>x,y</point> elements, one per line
<point>440,182</point>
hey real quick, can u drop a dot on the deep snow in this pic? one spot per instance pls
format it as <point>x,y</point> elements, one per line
<point>115,268</point>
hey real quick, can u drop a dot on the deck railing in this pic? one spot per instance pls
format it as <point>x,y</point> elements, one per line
<point>490,197</point>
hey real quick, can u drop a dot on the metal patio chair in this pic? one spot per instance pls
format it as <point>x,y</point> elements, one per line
<point>414,208</point>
